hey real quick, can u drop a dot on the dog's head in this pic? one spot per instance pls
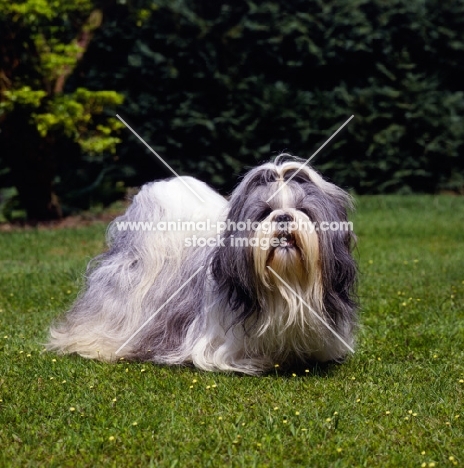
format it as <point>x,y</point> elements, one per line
<point>287,231</point>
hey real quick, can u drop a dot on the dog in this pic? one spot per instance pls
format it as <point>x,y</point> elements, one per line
<point>235,286</point>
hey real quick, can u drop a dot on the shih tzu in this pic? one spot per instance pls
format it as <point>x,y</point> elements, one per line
<point>237,285</point>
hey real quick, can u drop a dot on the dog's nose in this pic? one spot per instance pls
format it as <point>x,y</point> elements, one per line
<point>283,218</point>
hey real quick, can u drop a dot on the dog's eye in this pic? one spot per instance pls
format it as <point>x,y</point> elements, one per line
<point>265,214</point>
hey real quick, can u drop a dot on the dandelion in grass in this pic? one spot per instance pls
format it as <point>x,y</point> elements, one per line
<point>111,438</point>
<point>72,409</point>
<point>135,423</point>
<point>114,400</point>
<point>328,420</point>
<point>339,449</point>
<point>297,413</point>
<point>387,412</point>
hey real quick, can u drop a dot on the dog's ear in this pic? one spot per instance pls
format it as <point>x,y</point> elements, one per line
<point>339,273</point>
<point>231,268</point>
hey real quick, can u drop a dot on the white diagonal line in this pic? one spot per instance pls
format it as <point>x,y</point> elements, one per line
<point>313,312</point>
<point>304,164</point>
<point>159,308</point>
<point>159,157</point>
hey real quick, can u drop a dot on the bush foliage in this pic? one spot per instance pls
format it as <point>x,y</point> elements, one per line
<point>216,87</point>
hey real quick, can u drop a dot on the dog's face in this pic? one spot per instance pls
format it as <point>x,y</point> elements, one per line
<point>289,210</point>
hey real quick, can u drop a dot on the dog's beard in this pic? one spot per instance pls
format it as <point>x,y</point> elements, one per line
<point>291,253</point>
<point>288,274</point>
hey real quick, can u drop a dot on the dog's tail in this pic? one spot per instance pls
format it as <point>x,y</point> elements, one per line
<point>146,251</point>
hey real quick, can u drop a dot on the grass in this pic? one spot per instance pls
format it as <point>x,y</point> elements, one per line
<point>397,402</point>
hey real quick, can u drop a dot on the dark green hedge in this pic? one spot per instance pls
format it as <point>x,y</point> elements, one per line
<point>218,86</point>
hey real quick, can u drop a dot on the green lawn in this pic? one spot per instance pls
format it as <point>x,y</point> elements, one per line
<point>397,402</point>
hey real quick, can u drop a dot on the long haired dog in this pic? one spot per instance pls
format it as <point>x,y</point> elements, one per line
<point>272,287</point>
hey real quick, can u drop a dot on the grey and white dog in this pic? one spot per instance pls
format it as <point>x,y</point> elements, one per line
<point>271,287</point>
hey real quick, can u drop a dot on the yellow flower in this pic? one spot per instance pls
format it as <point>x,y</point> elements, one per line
<point>72,409</point>
<point>387,412</point>
<point>339,449</point>
<point>328,419</point>
<point>275,365</point>
<point>111,438</point>
<point>194,381</point>
<point>297,413</point>
<point>135,423</point>
<point>293,375</point>
<point>276,408</point>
